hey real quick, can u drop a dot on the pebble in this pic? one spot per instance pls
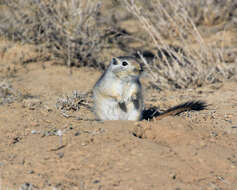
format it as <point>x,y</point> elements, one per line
<point>77,133</point>
<point>60,154</point>
<point>35,132</point>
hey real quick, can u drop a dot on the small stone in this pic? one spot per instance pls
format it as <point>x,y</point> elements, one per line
<point>31,172</point>
<point>96,181</point>
<point>60,154</point>
<point>174,177</point>
<point>77,133</point>
<point>48,108</point>
<point>214,134</point>
<point>34,132</point>
<point>59,133</point>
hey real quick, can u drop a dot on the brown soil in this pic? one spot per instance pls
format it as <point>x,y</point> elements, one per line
<point>195,150</point>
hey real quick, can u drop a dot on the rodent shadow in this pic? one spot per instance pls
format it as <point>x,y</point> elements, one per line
<point>152,112</point>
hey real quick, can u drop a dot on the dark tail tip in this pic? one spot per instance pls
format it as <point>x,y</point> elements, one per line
<point>187,106</point>
<point>194,105</point>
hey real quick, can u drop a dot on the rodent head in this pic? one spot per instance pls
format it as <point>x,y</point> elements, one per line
<point>125,67</point>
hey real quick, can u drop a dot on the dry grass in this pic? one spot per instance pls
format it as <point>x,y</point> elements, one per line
<point>8,94</point>
<point>83,33</point>
<point>183,58</point>
<point>74,101</point>
<point>63,31</point>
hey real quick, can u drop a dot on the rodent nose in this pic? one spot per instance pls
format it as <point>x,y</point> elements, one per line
<point>138,71</point>
<point>142,65</point>
<point>141,69</point>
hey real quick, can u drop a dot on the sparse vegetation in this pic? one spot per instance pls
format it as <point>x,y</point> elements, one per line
<point>184,58</point>
<point>74,102</point>
<point>177,33</point>
<point>62,31</point>
<point>8,94</point>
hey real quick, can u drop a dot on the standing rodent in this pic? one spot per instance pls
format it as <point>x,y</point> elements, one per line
<point>118,93</point>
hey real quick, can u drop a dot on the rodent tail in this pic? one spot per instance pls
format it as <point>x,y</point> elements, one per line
<point>187,106</point>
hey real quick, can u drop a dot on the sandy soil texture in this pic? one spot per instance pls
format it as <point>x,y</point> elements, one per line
<point>42,147</point>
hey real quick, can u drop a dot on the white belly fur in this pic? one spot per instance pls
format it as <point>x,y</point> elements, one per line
<point>107,96</point>
<point>108,109</point>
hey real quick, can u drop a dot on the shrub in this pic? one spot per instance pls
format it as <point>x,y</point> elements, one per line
<point>184,58</point>
<point>65,31</point>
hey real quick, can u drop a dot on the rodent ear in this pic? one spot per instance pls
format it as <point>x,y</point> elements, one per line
<point>114,61</point>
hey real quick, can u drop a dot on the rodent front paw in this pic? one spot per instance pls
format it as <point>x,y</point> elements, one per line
<point>123,106</point>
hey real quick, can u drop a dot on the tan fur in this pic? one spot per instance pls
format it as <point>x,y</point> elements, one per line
<point>118,94</point>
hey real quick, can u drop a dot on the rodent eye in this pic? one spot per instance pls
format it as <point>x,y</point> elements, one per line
<point>124,63</point>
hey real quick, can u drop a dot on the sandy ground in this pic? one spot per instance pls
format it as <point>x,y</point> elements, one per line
<point>195,150</point>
